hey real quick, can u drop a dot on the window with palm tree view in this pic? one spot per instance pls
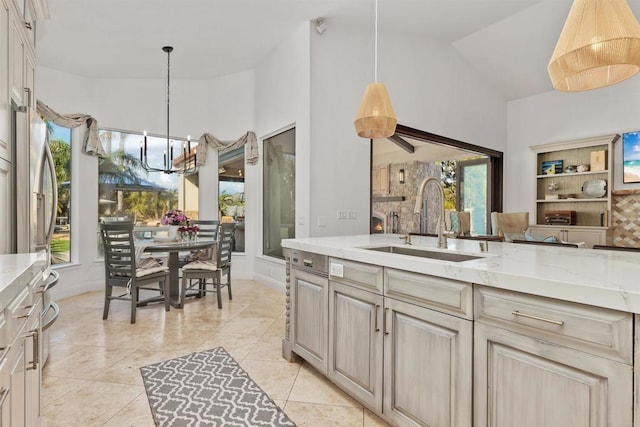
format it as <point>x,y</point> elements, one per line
<point>126,190</point>
<point>60,145</point>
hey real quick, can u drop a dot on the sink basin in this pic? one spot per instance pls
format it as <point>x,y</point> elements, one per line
<point>424,253</point>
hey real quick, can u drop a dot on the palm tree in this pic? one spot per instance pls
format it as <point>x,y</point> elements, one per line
<point>119,168</point>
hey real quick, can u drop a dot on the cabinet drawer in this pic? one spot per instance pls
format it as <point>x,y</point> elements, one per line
<point>598,331</point>
<point>365,276</point>
<point>444,295</point>
<point>18,311</point>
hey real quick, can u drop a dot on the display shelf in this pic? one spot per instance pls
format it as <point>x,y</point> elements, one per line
<point>571,200</point>
<point>590,211</point>
<point>570,174</point>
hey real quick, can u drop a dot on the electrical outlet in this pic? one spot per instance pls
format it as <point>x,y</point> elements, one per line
<point>342,214</point>
<point>300,220</point>
<point>352,214</point>
<point>336,269</point>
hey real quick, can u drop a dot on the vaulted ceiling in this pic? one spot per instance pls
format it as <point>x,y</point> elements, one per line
<point>509,42</point>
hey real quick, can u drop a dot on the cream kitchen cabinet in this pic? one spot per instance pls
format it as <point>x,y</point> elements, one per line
<point>309,316</point>
<point>428,357</point>
<point>540,362</point>
<point>6,200</point>
<point>5,126</point>
<point>574,234</point>
<point>427,366</point>
<point>422,356</point>
<point>17,53</point>
<point>380,180</point>
<point>21,61</point>
<point>355,342</point>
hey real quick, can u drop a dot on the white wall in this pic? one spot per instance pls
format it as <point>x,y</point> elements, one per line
<point>281,101</point>
<point>222,107</point>
<point>431,88</point>
<point>557,116</point>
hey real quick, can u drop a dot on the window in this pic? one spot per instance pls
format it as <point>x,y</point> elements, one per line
<point>279,192</point>
<point>60,145</point>
<point>231,193</point>
<point>125,189</point>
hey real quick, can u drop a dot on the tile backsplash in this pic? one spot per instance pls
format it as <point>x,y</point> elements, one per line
<point>626,217</point>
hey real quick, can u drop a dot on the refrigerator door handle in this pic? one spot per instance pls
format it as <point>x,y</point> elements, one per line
<point>54,184</point>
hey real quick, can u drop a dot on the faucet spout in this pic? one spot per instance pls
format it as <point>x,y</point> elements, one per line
<point>442,238</point>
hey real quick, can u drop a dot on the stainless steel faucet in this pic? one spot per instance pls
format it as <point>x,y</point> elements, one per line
<point>442,238</point>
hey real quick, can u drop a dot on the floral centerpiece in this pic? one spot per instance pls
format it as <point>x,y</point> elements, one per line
<point>188,232</point>
<point>174,217</point>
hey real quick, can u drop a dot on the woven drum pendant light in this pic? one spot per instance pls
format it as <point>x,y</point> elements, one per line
<point>375,117</point>
<point>599,46</point>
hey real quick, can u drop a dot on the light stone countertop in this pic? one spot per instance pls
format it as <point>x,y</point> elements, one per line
<point>609,279</point>
<point>16,271</point>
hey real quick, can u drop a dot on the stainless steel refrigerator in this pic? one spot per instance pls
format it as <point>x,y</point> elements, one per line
<point>43,206</point>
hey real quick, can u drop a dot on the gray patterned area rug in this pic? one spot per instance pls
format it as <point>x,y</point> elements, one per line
<point>208,388</point>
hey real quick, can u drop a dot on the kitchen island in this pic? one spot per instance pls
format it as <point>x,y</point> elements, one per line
<point>515,335</point>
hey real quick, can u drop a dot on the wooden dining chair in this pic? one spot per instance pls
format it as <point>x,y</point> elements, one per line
<point>207,229</point>
<point>197,274</point>
<point>122,270</point>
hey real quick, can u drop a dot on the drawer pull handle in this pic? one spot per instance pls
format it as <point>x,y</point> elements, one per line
<point>542,319</point>
<point>4,392</point>
<point>375,315</point>
<point>26,316</point>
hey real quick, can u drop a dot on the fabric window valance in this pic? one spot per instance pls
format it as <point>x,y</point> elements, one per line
<point>249,138</point>
<point>91,145</point>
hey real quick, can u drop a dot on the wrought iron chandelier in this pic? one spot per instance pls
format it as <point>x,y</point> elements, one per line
<point>187,160</point>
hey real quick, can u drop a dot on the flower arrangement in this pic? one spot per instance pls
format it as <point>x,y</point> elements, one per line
<point>174,217</point>
<point>188,232</point>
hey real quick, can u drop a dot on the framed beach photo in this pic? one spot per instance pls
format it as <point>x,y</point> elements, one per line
<point>631,157</point>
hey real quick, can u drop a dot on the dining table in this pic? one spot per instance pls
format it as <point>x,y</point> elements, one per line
<point>173,248</point>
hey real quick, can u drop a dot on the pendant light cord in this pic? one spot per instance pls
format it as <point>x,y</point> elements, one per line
<point>375,45</point>
<point>168,80</point>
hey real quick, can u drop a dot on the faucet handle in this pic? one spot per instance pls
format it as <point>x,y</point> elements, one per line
<point>407,238</point>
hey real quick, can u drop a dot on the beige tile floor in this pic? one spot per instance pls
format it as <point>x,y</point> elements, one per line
<point>92,377</point>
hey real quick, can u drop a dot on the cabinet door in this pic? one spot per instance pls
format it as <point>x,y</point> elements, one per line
<point>310,313</point>
<point>17,373</point>
<point>4,82</point>
<point>427,367</point>
<point>525,382</point>
<point>5,392</point>
<point>355,342</point>
<point>380,180</point>
<point>6,200</point>
<point>16,63</point>
<point>32,351</point>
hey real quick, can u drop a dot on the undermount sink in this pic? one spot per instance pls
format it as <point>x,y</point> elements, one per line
<point>424,253</point>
